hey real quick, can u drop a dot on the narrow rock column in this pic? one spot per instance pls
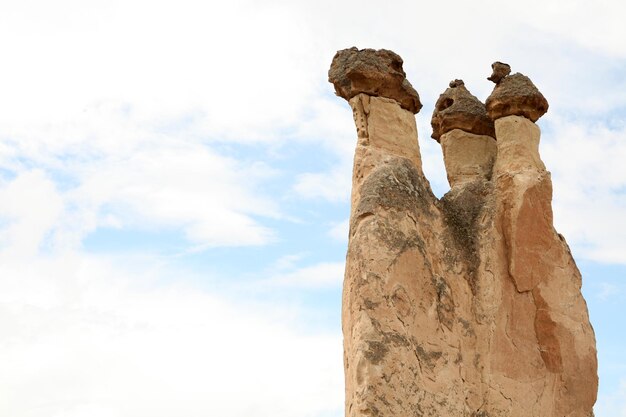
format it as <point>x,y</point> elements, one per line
<point>386,165</point>
<point>401,356</point>
<point>468,157</point>
<point>384,129</point>
<point>543,357</point>
<point>466,134</point>
<point>518,146</point>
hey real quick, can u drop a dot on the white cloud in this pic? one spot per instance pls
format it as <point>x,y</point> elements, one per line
<point>246,70</point>
<point>339,231</point>
<point>321,275</point>
<point>331,128</point>
<point>84,337</point>
<point>328,125</point>
<point>612,404</point>
<point>333,185</point>
<point>607,290</point>
<point>239,65</point>
<point>598,28</point>
<point>183,186</point>
<point>589,183</point>
<point>110,170</point>
<point>30,208</point>
<point>287,262</point>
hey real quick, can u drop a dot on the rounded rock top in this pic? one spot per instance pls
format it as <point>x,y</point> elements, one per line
<point>514,95</point>
<point>373,72</point>
<point>457,108</point>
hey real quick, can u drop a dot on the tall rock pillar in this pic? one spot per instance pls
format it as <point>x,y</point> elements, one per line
<point>542,355</point>
<point>465,306</point>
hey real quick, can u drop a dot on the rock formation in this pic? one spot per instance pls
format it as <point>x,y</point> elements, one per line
<point>514,95</point>
<point>499,70</point>
<point>377,73</point>
<point>468,305</point>
<point>457,108</point>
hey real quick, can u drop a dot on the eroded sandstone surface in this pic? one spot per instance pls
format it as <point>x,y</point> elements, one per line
<point>464,306</point>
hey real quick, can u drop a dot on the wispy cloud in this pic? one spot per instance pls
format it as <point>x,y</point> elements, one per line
<point>607,290</point>
<point>31,207</point>
<point>92,338</point>
<point>590,185</point>
<point>332,186</point>
<point>321,275</point>
<point>339,231</point>
<point>612,404</point>
<point>109,170</point>
<point>206,63</point>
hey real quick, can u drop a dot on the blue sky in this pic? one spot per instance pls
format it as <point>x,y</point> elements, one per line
<point>175,179</point>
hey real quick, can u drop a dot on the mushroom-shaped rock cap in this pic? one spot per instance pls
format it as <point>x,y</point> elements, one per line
<point>457,108</point>
<point>515,95</point>
<point>374,72</point>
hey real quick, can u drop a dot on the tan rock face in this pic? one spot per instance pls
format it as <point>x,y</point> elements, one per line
<point>373,72</point>
<point>468,157</point>
<point>457,108</point>
<point>465,306</point>
<point>514,95</point>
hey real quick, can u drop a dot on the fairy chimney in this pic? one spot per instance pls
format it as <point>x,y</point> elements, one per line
<point>468,305</point>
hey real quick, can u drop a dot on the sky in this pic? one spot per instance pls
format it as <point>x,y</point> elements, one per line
<point>175,180</point>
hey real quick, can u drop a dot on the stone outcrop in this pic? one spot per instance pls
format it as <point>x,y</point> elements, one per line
<point>499,71</point>
<point>464,306</point>
<point>374,72</point>
<point>457,108</point>
<point>514,95</point>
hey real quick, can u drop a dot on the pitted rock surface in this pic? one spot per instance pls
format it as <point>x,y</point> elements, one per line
<point>516,95</point>
<point>499,71</point>
<point>457,108</point>
<point>373,72</point>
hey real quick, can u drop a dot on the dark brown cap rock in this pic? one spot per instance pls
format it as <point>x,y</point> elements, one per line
<point>457,108</point>
<point>516,95</point>
<point>374,72</point>
<point>499,71</point>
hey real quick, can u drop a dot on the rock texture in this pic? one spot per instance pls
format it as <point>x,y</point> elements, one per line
<point>467,156</point>
<point>374,72</point>
<point>499,71</point>
<point>514,95</point>
<point>457,108</point>
<point>465,306</point>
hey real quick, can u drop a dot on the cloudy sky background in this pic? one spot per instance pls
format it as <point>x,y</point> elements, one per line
<point>174,189</point>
